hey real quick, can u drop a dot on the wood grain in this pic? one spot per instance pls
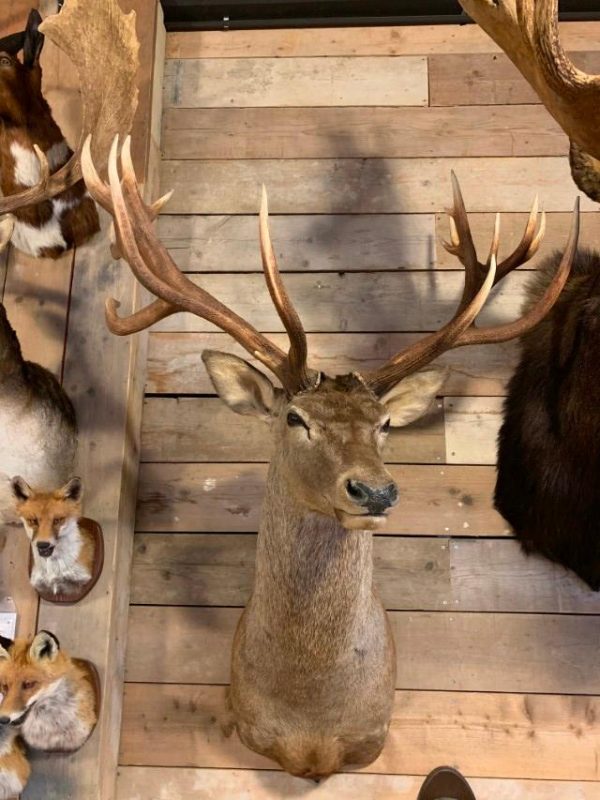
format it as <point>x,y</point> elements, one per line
<point>167,783</point>
<point>489,735</point>
<point>174,365</point>
<point>487,79</point>
<point>434,501</point>
<point>541,653</point>
<point>381,132</point>
<point>250,82</point>
<point>204,429</point>
<point>391,41</point>
<point>356,186</point>
<point>429,574</point>
<point>472,425</point>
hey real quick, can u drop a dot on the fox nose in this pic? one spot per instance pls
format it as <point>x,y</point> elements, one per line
<point>4,720</point>
<point>45,549</point>
<point>376,499</point>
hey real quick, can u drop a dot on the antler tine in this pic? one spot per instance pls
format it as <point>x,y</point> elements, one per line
<point>7,224</point>
<point>298,352</point>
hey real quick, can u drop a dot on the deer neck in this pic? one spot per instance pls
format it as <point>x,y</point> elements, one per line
<point>313,578</point>
<point>11,360</point>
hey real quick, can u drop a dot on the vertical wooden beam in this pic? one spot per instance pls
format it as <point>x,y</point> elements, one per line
<point>104,376</point>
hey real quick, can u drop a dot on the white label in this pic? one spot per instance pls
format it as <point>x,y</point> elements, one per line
<point>8,618</point>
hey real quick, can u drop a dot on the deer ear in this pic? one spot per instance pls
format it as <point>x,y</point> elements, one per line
<point>72,490</point>
<point>44,646</point>
<point>34,40</point>
<point>20,489</point>
<point>413,396</point>
<point>241,386</point>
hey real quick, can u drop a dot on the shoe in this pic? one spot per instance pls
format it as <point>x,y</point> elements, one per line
<point>445,783</point>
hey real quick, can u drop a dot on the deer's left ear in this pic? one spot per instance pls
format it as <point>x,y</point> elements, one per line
<point>413,396</point>
<point>34,40</point>
<point>44,646</point>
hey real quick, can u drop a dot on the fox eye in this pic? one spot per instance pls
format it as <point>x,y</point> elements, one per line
<point>294,420</point>
<point>32,522</point>
<point>3,688</point>
<point>386,426</point>
<point>29,685</point>
<point>58,521</point>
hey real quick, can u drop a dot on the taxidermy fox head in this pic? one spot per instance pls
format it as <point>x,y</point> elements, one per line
<point>47,516</point>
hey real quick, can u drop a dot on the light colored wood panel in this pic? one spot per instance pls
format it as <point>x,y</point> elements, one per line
<point>487,79</point>
<point>228,497</point>
<point>14,580</point>
<point>268,82</point>
<point>541,653</point>
<point>430,574</point>
<point>205,429</point>
<point>165,783</point>
<point>489,735</point>
<point>302,243</point>
<point>354,302</point>
<point>472,425</point>
<point>361,132</point>
<point>174,365</point>
<point>511,230</point>
<point>407,40</point>
<point>355,186</point>
<point>14,15</point>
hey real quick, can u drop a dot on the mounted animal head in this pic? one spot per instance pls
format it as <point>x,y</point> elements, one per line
<point>527,31</point>
<point>329,431</point>
<point>40,176</point>
<point>26,670</point>
<point>47,515</point>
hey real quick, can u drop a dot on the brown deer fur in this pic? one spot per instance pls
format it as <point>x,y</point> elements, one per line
<point>54,225</point>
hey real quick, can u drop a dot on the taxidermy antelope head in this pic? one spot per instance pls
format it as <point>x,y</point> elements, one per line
<point>40,176</point>
<point>313,664</point>
<point>527,31</point>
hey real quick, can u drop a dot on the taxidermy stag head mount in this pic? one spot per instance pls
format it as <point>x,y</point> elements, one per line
<point>329,431</point>
<point>527,31</point>
<point>40,176</point>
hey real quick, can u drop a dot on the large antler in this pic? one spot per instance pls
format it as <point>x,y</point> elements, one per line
<point>152,265</point>
<point>479,280</point>
<point>527,31</point>
<point>101,41</point>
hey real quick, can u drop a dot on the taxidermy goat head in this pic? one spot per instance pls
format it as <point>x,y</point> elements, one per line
<point>52,225</point>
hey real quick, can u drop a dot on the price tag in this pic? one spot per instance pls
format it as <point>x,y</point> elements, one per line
<point>8,618</point>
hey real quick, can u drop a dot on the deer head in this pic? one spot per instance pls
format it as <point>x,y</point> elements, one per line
<point>527,31</point>
<point>40,176</point>
<point>329,431</point>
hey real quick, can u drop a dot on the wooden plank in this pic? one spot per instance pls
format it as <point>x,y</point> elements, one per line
<point>268,82</point>
<point>173,360</point>
<point>353,302</point>
<point>351,186</point>
<point>392,41</point>
<point>429,574</point>
<point>151,783</point>
<point>490,735</point>
<point>361,133</point>
<point>512,227</point>
<point>303,243</point>
<point>472,425</point>
<point>535,653</point>
<point>204,429</point>
<point>14,16</point>
<point>434,501</point>
<point>487,79</point>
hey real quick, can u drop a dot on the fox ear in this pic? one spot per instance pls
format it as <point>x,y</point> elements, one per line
<point>21,489</point>
<point>5,645</point>
<point>73,490</point>
<point>45,645</point>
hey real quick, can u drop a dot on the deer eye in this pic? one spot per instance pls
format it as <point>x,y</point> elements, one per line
<point>27,685</point>
<point>5,61</point>
<point>386,426</point>
<point>294,420</point>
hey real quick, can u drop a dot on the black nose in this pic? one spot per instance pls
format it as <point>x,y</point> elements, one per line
<point>45,549</point>
<point>376,499</point>
<point>4,720</point>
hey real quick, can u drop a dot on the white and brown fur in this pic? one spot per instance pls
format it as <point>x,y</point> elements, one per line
<point>37,420</point>
<point>58,709</point>
<point>14,767</point>
<point>62,551</point>
<point>69,219</point>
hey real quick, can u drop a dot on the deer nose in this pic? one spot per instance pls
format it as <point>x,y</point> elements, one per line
<point>376,499</point>
<point>45,549</point>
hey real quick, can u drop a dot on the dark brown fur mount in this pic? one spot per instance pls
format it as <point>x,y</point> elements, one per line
<point>548,485</point>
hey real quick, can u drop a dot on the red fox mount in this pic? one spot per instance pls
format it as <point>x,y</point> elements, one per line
<point>63,549</point>
<point>37,420</point>
<point>70,218</point>
<point>313,661</point>
<point>14,767</point>
<point>48,697</point>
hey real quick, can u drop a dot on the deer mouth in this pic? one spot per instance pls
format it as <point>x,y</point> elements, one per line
<point>367,520</point>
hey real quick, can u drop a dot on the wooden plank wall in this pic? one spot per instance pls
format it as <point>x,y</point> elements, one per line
<point>355,133</point>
